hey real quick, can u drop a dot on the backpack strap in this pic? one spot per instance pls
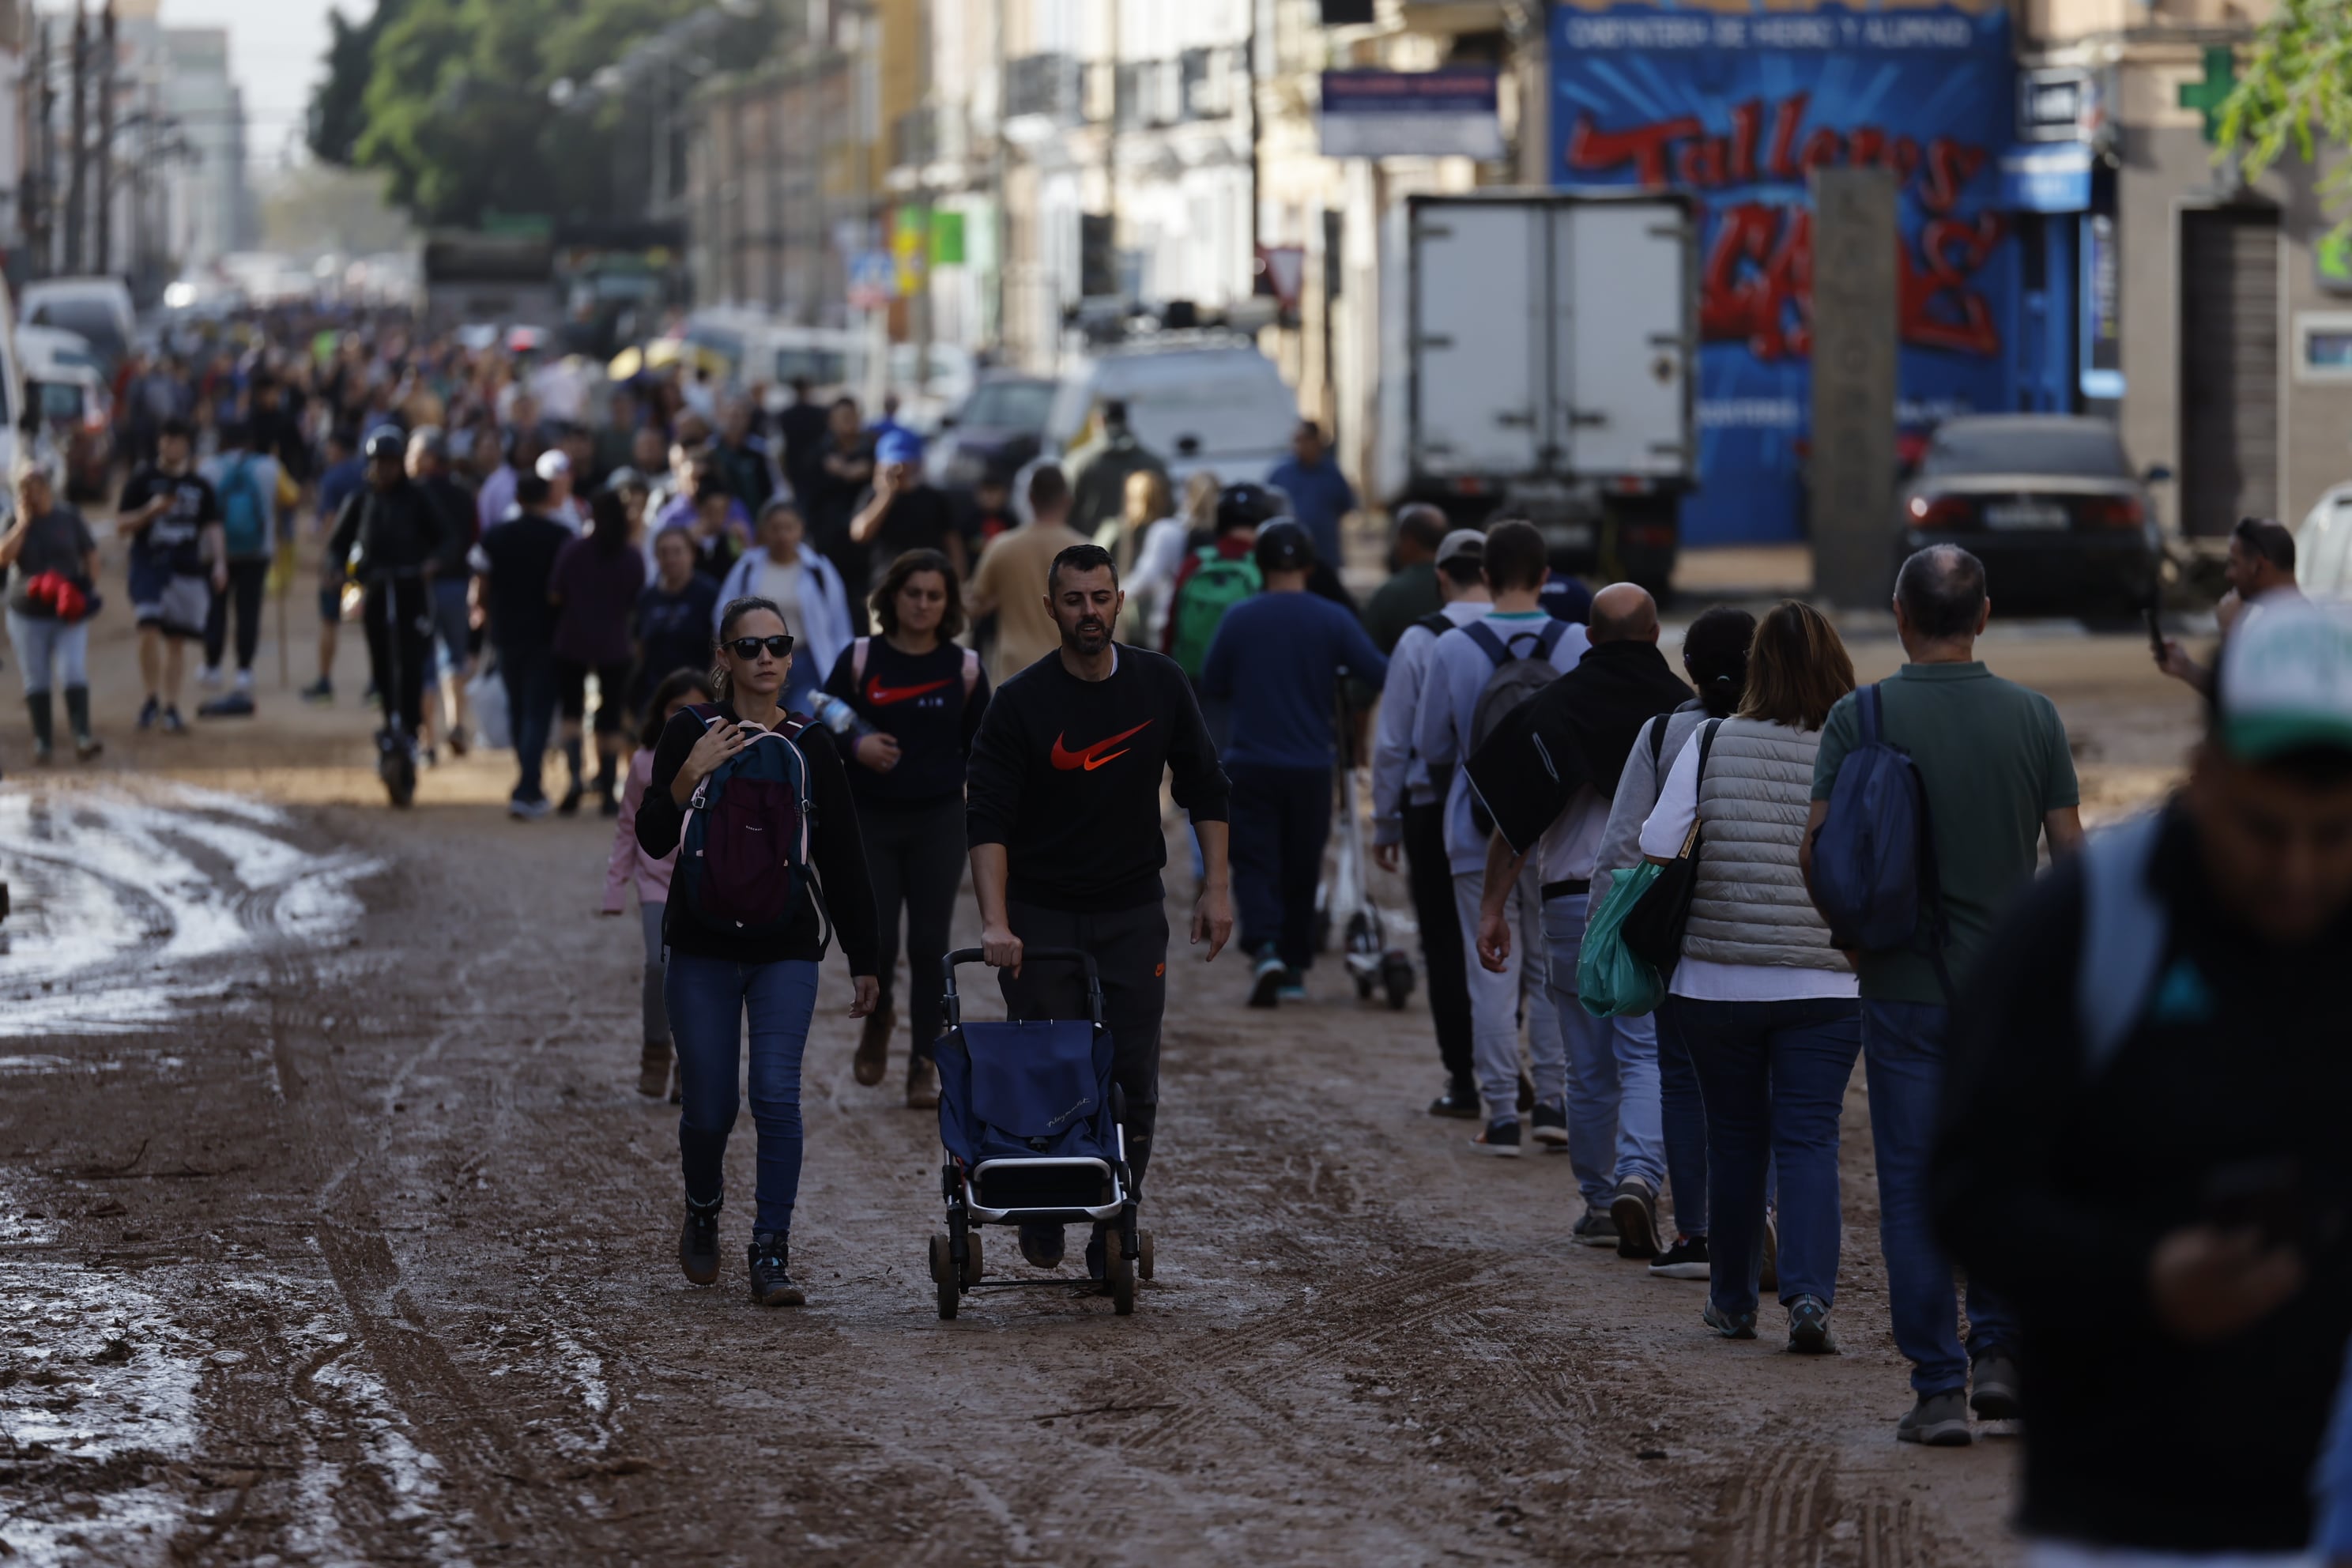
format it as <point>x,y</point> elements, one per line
<point>1548,637</point>
<point>2124,931</point>
<point>1867,711</point>
<point>971,671</point>
<point>1657,741</point>
<point>1437,623</point>
<point>1496,650</point>
<point>857,651</point>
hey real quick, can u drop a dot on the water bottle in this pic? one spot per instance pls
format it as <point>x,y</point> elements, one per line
<point>838,717</point>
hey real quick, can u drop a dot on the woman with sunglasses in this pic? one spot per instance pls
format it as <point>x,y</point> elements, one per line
<point>718,975</point>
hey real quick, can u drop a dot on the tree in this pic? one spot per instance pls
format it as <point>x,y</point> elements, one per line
<point>2294,90</point>
<point>338,110</point>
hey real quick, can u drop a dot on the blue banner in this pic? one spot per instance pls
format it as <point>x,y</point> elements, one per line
<point>1737,107</point>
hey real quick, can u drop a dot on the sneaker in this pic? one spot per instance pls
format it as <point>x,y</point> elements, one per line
<point>569,806</point>
<point>172,723</point>
<point>209,678</point>
<point>1595,1230</point>
<point>607,803</point>
<point>1809,1327</point>
<point>432,756</point>
<point>1739,1326</point>
<point>528,810</point>
<point>1457,1100</point>
<point>1265,984</point>
<point>1293,987</point>
<point>318,692</point>
<point>150,714</point>
<point>1993,1387</point>
<point>1685,1259</point>
<point>922,1084</point>
<point>653,1070</point>
<point>236,705</point>
<point>1042,1244</point>
<point>86,747</point>
<point>457,742</point>
<point>771,1275</point>
<point>874,1044</point>
<point>697,1243</point>
<point>1938,1420</point>
<point>1634,1209</point>
<point>1501,1138</point>
<point>1768,1277</point>
<point>1547,1125</point>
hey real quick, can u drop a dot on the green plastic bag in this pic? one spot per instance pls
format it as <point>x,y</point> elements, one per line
<point>1609,981</point>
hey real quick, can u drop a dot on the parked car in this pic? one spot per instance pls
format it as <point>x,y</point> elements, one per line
<point>1000,426</point>
<point>1197,399</point>
<point>2323,546</point>
<point>64,381</point>
<point>2050,503</point>
<point>98,308</point>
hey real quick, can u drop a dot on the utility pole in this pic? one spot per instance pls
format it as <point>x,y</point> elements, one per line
<point>106,140</point>
<point>77,186</point>
<point>32,194</point>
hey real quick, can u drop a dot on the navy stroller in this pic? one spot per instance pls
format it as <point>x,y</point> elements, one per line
<point>1035,1132</point>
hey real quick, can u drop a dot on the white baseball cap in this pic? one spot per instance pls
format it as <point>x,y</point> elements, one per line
<point>2285,681</point>
<point>553,465</point>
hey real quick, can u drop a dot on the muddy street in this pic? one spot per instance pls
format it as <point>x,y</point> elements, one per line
<point>333,1230</point>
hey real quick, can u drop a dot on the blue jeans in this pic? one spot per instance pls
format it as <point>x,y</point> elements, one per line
<point>1774,1074</point>
<point>707,998</point>
<point>529,676</point>
<point>47,648</point>
<point>1682,1117</point>
<point>1612,1072</point>
<point>1902,1049</point>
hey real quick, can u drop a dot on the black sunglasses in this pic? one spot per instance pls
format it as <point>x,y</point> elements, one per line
<point>749,648</point>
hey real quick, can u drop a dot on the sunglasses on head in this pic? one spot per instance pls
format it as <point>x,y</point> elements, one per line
<point>749,648</point>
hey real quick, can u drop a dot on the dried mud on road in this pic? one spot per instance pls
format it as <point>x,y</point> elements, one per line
<point>332,1230</point>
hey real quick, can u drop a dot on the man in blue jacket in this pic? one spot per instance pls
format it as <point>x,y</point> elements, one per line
<point>1320,496</point>
<point>1277,660</point>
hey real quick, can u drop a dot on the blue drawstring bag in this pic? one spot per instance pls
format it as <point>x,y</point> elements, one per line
<point>1611,982</point>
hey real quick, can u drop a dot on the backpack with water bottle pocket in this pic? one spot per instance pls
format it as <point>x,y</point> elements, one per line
<point>743,858</point>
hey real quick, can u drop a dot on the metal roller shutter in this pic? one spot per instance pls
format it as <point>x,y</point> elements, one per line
<point>2229,368</point>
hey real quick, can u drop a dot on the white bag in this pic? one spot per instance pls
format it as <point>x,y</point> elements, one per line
<point>487,694</point>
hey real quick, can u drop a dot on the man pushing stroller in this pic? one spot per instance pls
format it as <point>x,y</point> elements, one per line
<point>1063,813</point>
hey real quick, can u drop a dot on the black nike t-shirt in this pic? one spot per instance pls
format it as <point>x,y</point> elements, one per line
<point>175,541</point>
<point>919,700</point>
<point>1066,774</point>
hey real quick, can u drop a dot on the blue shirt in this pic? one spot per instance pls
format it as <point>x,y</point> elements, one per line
<point>1277,658</point>
<point>1456,678</point>
<point>336,485</point>
<point>1319,498</point>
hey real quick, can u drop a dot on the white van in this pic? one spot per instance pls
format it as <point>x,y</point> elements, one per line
<point>1206,400</point>
<point>98,308</point>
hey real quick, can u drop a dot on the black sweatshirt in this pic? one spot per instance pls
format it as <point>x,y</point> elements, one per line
<point>2053,1181</point>
<point>918,701</point>
<point>839,852</point>
<point>1066,774</point>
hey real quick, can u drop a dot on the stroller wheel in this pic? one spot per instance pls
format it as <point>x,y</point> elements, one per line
<point>971,1259</point>
<point>943,1276</point>
<point>1121,1272</point>
<point>1143,1254</point>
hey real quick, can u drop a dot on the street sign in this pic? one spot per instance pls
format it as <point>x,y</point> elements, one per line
<point>873,280</point>
<point>2058,103</point>
<point>1451,112</point>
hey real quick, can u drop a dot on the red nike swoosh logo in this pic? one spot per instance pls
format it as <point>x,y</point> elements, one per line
<point>1094,757</point>
<point>882,696</point>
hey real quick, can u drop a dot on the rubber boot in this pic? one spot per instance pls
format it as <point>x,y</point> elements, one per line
<point>86,745</point>
<point>45,724</point>
<point>570,800</point>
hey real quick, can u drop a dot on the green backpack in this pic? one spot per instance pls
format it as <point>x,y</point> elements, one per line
<point>1217,587</point>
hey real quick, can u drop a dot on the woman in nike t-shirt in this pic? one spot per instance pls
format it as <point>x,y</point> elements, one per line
<point>923,695</point>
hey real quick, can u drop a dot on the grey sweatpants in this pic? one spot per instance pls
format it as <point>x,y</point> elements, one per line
<point>650,998</point>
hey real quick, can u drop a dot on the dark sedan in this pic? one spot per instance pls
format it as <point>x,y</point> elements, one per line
<point>2048,502</point>
<point>1000,427</point>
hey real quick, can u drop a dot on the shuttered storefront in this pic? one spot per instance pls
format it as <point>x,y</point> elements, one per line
<point>2229,368</point>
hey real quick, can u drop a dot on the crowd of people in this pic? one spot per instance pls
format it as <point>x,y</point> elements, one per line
<point>1664,907</point>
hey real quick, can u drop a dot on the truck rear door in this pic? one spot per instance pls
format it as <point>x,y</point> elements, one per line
<point>1624,339</point>
<point>1479,339</point>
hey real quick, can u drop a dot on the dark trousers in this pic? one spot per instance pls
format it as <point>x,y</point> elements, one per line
<point>855,561</point>
<point>397,628</point>
<point>529,676</point>
<point>1129,948</point>
<point>915,855</point>
<point>1281,820</point>
<point>1430,875</point>
<point>245,581</point>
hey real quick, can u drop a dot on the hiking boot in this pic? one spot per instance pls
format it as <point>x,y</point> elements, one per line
<point>1042,1244</point>
<point>1265,987</point>
<point>1595,1230</point>
<point>1809,1327</point>
<point>1499,1137</point>
<point>772,1275</point>
<point>653,1070</point>
<point>1731,1326</point>
<point>1938,1420</point>
<point>874,1044</point>
<point>1547,1125</point>
<point>1634,1211</point>
<point>1457,1100</point>
<point>1993,1389</point>
<point>922,1084</point>
<point>1685,1259</point>
<point>1767,1277</point>
<point>697,1243</point>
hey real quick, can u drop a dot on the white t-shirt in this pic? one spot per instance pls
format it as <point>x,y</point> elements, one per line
<point>781,583</point>
<point>1705,980</point>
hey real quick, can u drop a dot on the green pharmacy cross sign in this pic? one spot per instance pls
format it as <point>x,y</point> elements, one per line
<point>2207,96</point>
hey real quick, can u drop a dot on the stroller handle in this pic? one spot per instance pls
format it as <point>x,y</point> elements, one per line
<point>1029,956</point>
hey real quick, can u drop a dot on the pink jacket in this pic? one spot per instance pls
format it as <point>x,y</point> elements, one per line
<point>628,863</point>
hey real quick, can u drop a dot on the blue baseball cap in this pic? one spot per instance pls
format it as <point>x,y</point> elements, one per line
<point>898,446</point>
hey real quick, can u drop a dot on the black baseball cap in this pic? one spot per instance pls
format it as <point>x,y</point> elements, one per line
<point>1284,546</point>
